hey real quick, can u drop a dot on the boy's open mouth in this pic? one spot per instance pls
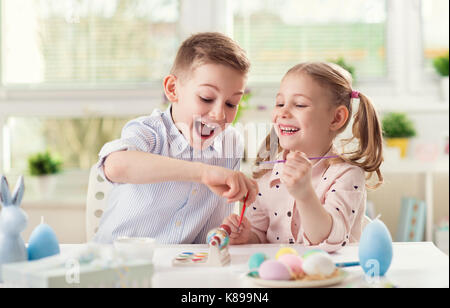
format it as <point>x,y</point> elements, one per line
<point>287,130</point>
<point>204,130</point>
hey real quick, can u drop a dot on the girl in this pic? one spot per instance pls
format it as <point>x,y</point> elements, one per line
<point>321,201</point>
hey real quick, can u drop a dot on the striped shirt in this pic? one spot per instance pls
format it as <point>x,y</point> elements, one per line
<point>170,212</point>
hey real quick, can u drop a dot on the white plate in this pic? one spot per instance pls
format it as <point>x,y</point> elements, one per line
<point>299,283</point>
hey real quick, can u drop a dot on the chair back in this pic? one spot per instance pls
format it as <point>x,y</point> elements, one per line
<point>97,196</point>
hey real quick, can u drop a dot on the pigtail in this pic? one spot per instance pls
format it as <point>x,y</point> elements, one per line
<point>268,151</point>
<point>367,130</point>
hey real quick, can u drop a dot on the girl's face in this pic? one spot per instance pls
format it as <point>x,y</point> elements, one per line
<point>303,114</point>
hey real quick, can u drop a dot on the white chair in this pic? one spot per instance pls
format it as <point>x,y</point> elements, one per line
<point>98,190</point>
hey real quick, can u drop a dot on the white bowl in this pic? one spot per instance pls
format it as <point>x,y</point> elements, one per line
<point>136,247</point>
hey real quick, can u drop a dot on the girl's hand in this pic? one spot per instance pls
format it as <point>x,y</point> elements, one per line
<point>239,235</point>
<point>233,185</point>
<point>296,175</point>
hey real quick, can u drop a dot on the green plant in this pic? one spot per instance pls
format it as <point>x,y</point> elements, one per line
<point>441,65</point>
<point>349,68</point>
<point>397,125</point>
<point>44,163</point>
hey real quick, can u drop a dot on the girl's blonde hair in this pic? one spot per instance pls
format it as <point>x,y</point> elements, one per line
<point>366,127</point>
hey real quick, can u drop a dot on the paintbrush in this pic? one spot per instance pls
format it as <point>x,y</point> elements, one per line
<point>283,161</point>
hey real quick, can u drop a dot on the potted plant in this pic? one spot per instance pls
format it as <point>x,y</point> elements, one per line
<point>43,166</point>
<point>397,129</point>
<point>441,66</point>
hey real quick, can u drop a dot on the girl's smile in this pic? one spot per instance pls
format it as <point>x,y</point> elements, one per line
<point>288,130</point>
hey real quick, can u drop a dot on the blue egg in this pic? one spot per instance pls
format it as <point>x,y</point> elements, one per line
<point>255,260</point>
<point>42,243</point>
<point>375,249</point>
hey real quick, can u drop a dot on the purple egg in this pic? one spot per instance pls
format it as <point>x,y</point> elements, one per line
<point>274,270</point>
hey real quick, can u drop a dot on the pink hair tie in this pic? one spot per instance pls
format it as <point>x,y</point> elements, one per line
<point>355,94</point>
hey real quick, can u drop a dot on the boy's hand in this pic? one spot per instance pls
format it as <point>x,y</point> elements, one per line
<point>233,185</point>
<point>239,235</point>
<point>296,174</point>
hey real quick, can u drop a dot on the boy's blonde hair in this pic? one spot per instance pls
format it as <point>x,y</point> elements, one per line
<point>366,129</point>
<point>209,48</point>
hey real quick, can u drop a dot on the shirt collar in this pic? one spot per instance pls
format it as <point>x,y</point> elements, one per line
<point>178,141</point>
<point>217,145</point>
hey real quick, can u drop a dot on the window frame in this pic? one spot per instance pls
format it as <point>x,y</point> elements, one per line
<point>216,15</point>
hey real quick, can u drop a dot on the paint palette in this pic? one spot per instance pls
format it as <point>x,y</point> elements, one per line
<point>214,257</point>
<point>189,258</point>
<point>217,255</point>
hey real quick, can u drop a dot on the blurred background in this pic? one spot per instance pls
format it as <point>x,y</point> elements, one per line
<point>73,72</point>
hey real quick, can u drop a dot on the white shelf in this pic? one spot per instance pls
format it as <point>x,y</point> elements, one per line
<point>414,105</point>
<point>397,166</point>
<point>415,166</point>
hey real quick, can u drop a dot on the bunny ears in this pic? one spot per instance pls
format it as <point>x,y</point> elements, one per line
<point>5,196</point>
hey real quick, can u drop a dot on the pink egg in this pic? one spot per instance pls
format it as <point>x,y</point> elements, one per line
<point>293,262</point>
<point>274,270</point>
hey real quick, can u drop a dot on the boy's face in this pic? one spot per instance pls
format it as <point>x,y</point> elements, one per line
<point>205,102</point>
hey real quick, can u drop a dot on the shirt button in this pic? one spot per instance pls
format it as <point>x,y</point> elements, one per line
<point>178,223</point>
<point>194,192</point>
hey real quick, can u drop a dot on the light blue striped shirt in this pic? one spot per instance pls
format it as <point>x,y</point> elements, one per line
<point>171,212</point>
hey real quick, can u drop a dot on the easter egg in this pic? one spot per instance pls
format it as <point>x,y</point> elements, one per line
<point>293,262</point>
<point>274,270</point>
<point>318,264</point>
<point>284,251</point>
<point>310,252</point>
<point>255,260</point>
<point>42,243</point>
<point>210,234</point>
<point>375,249</point>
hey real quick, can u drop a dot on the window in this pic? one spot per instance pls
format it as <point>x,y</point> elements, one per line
<point>435,23</point>
<point>69,67</point>
<point>72,43</point>
<point>76,141</point>
<point>70,63</point>
<point>278,34</point>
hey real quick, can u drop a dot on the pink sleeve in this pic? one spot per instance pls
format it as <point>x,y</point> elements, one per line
<point>257,215</point>
<point>345,201</point>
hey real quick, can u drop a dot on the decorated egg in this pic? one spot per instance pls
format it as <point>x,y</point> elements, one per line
<point>219,236</point>
<point>286,250</point>
<point>43,242</point>
<point>375,249</point>
<point>274,270</point>
<point>255,260</point>
<point>293,262</point>
<point>318,264</point>
<point>311,252</point>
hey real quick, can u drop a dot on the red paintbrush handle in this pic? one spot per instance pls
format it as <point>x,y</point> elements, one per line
<point>243,210</point>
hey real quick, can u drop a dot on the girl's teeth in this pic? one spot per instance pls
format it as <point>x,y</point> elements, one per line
<point>289,129</point>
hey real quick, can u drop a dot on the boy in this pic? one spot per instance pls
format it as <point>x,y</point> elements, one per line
<point>180,164</point>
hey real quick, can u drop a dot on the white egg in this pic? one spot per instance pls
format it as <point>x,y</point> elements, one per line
<point>318,264</point>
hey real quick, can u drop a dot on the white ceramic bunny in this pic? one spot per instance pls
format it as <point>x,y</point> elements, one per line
<point>13,220</point>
